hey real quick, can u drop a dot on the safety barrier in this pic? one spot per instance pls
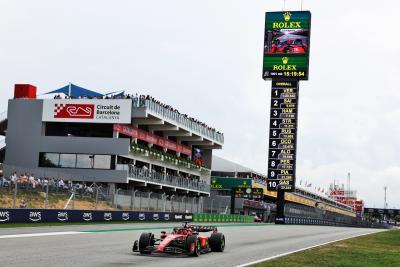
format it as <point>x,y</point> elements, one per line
<point>50,215</point>
<point>314,221</point>
<point>208,217</point>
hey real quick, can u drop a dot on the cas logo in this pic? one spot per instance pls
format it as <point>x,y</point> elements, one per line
<point>142,216</point>
<point>4,216</point>
<point>166,217</point>
<point>188,217</point>
<point>35,216</point>
<point>155,216</point>
<point>107,216</point>
<point>178,217</point>
<point>87,216</point>
<point>78,111</point>
<point>125,216</point>
<point>62,216</point>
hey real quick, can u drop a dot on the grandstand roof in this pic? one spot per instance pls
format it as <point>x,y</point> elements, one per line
<point>224,165</point>
<point>75,91</point>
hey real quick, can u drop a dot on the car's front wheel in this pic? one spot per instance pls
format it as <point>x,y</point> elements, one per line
<point>217,242</point>
<point>193,246</point>
<point>145,240</point>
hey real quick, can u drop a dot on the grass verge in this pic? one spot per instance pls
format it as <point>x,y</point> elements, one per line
<point>380,249</point>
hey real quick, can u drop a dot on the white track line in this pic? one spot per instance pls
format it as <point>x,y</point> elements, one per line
<point>42,234</point>
<point>298,250</point>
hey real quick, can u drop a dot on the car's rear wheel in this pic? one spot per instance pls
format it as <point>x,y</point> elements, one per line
<point>145,240</point>
<point>193,246</point>
<point>217,242</point>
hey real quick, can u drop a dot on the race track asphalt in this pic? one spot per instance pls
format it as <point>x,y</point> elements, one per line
<point>111,245</point>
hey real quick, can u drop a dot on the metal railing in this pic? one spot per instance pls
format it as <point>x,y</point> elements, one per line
<point>167,179</point>
<point>179,118</point>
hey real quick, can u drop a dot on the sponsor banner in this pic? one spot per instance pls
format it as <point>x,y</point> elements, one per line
<point>152,138</point>
<point>87,110</point>
<point>227,183</point>
<point>208,217</point>
<point>49,215</point>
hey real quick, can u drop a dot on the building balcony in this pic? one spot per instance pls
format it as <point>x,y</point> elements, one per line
<point>165,180</point>
<point>179,119</point>
<point>174,161</point>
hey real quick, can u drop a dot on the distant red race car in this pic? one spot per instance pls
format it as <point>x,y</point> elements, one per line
<point>182,240</point>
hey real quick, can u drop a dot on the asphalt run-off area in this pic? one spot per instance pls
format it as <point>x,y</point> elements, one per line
<point>111,245</point>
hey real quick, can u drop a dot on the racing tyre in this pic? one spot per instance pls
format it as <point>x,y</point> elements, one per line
<point>193,246</point>
<point>145,240</point>
<point>217,242</point>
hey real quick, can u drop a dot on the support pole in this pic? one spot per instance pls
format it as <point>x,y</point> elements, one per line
<point>280,207</point>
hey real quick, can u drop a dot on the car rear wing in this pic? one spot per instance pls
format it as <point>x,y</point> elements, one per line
<point>204,228</point>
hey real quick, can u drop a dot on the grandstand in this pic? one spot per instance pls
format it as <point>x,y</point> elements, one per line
<point>124,141</point>
<point>301,203</point>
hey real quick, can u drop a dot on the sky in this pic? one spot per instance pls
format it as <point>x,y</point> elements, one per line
<point>205,59</point>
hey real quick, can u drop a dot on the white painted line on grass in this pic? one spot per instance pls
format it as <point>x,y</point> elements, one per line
<point>41,234</point>
<point>298,250</point>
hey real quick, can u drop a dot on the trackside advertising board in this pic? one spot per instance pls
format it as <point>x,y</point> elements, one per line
<point>87,110</point>
<point>286,45</point>
<point>227,183</point>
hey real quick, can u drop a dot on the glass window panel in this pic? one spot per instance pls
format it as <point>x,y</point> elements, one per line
<point>67,160</point>
<point>49,160</point>
<point>84,161</point>
<point>102,161</point>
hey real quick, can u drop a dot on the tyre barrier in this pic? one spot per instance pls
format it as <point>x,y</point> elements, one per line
<point>56,215</point>
<point>224,218</point>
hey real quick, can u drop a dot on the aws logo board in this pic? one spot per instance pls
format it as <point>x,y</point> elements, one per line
<point>4,216</point>
<point>87,216</point>
<point>62,216</point>
<point>107,216</point>
<point>125,216</point>
<point>35,216</point>
<point>142,216</point>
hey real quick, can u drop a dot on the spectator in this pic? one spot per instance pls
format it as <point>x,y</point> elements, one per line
<point>22,204</point>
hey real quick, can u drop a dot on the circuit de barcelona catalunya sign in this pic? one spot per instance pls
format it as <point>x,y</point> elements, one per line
<point>53,215</point>
<point>87,110</point>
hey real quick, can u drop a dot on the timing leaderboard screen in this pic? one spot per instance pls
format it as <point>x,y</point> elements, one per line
<point>282,136</point>
<point>287,45</point>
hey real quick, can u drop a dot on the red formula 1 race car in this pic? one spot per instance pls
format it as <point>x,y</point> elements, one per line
<point>182,240</point>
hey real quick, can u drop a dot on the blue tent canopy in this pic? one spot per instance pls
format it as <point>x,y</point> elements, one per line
<point>76,91</point>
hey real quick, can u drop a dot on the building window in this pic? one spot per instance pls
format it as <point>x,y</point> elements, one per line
<point>102,162</point>
<point>49,160</point>
<point>84,161</point>
<point>67,160</point>
<point>78,161</point>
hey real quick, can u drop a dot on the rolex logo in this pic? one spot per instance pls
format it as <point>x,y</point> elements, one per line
<point>285,60</point>
<point>287,15</point>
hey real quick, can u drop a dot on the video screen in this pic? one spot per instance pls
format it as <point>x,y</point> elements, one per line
<point>286,41</point>
<point>197,156</point>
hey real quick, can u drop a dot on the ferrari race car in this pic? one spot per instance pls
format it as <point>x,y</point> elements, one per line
<point>182,240</point>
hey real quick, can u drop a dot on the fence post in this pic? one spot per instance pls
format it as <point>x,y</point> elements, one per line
<point>172,203</point>
<point>132,197</point>
<point>164,199</point>
<point>46,203</point>
<point>73,198</point>
<point>140,203</point>
<point>15,193</point>
<point>148,203</point>
<point>184,208</point>
<point>97,195</point>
